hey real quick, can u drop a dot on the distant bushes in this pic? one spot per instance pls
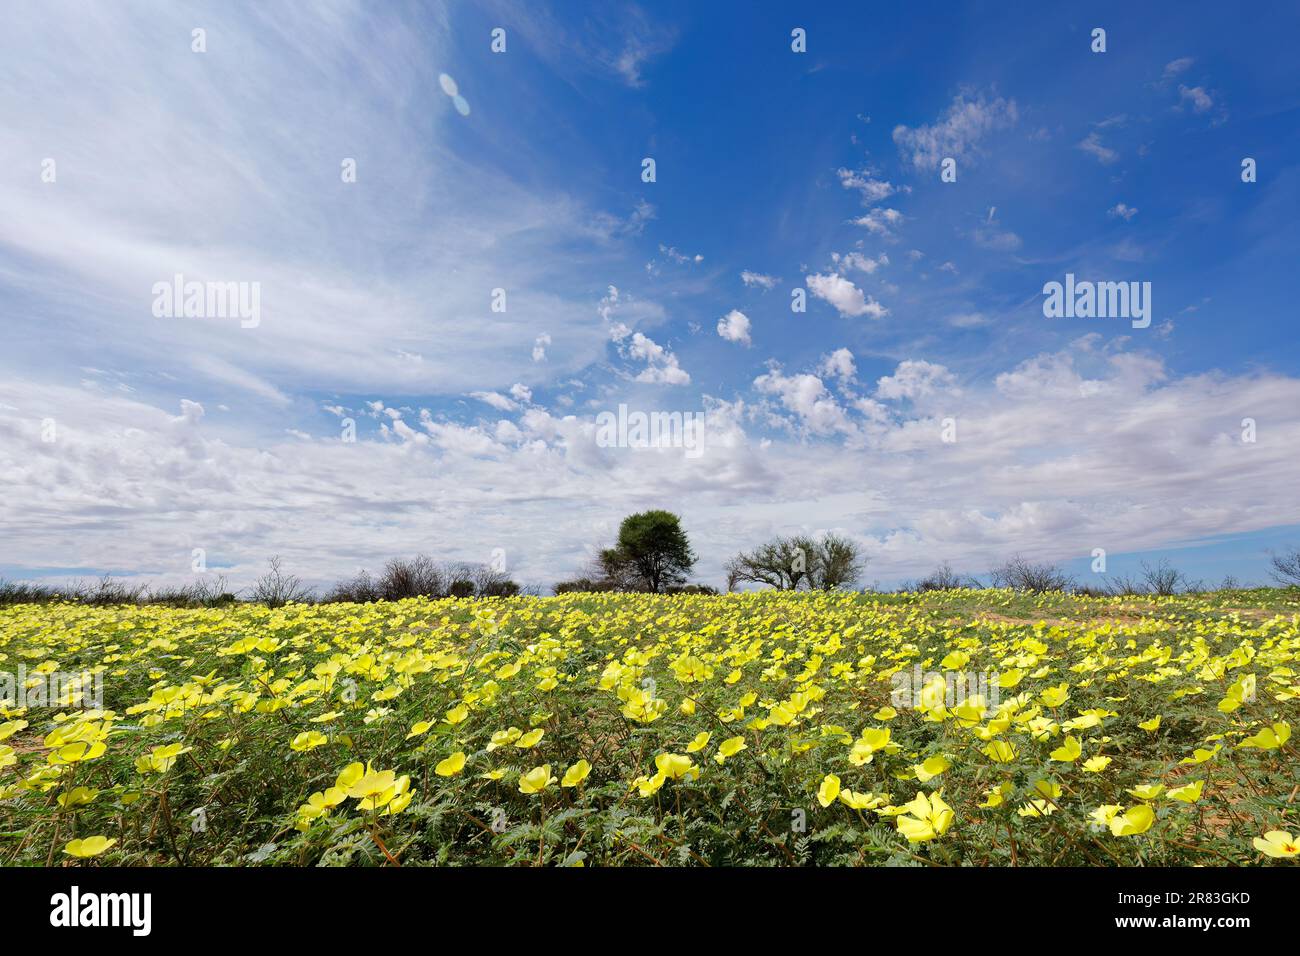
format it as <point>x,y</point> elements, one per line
<point>651,556</point>
<point>422,576</point>
<point>400,578</point>
<point>106,591</point>
<point>1021,574</point>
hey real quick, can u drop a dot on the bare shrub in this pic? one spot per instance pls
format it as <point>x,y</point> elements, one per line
<point>1162,579</point>
<point>1019,574</point>
<point>944,578</point>
<point>1284,568</point>
<point>276,589</point>
<point>407,578</point>
<point>359,589</point>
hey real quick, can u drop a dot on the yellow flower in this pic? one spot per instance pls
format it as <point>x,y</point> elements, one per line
<point>1152,724</point>
<point>1068,752</point>
<point>419,727</point>
<point>1189,793</point>
<point>924,818</point>
<point>451,765</point>
<point>1270,738</point>
<point>648,786</point>
<point>536,780</point>
<point>90,846</point>
<point>999,751</point>
<point>350,775</point>
<point>676,766</point>
<point>931,768</point>
<point>829,790</point>
<point>77,797</point>
<point>699,743</point>
<point>503,737</point>
<point>160,759</point>
<point>576,774</point>
<point>457,714</point>
<point>77,751</point>
<point>729,748</point>
<point>994,796</point>
<point>860,801</point>
<point>1096,764</point>
<point>1278,844</point>
<point>371,784</point>
<point>530,739</point>
<point>1148,791</point>
<point>1055,696</point>
<point>308,740</point>
<point>1133,821</point>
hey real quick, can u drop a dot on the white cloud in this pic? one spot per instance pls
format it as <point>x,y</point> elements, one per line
<point>496,400</point>
<point>1196,96</point>
<point>847,298</point>
<point>839,364</point>
<point>856,260</point>
<point>661,365</point>
<point>958,132</point>
<point>880,221</point>
<point>1177,67</point>
<point>1121,211</point>
<point>991,237</point>
<point>873,190</point>
<point>915,379</point>
<point>681,258</point>
<point>264,152</point>
<point>758,279</point>
<point>734,327</point>
<point>1055,455</point>
<point>806,395</point>
<point>1093,146</point>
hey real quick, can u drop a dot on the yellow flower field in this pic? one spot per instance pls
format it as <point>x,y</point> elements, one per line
<point>950,728</point>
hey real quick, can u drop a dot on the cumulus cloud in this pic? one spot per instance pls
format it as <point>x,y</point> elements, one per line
<point>661,365</point>
<point>839,364</point>
<point>734,327</point>
<point>880,221</point>
<point>846,297</point>
<point>808,398</point>
<point>759,280</point>
<point>856,260</point>
<point>1121,211</point>
<point>871,189</point>
<point>915,379</point>
<point>496,400</point>
<point>1055,455</point>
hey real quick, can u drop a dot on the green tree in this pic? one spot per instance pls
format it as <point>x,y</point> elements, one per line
<point>652,551</point>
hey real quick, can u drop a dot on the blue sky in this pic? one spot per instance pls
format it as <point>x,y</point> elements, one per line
<point>775,171</point>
